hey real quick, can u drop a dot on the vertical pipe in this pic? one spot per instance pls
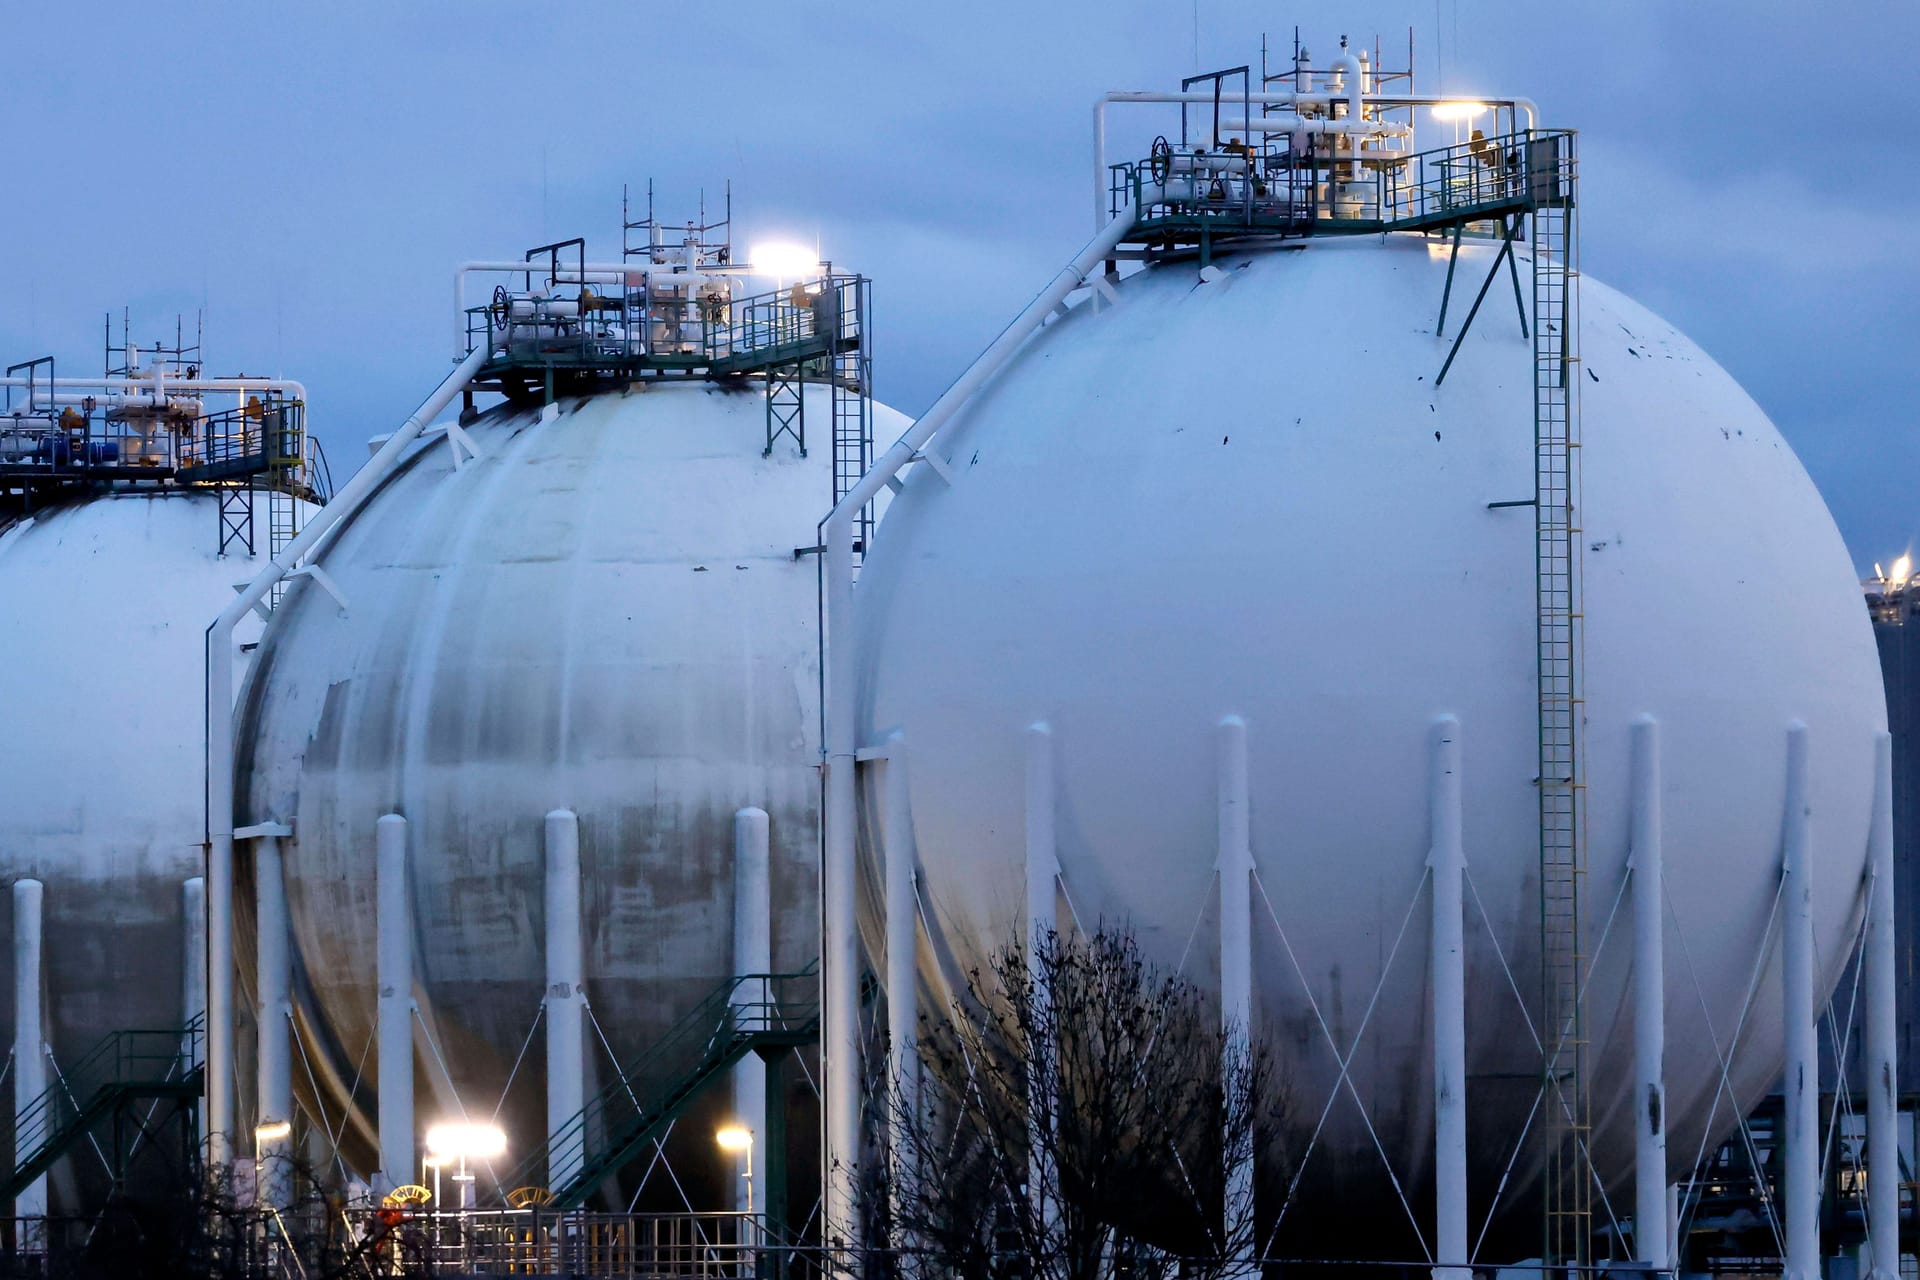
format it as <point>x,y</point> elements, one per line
<point>839,960</point>
<point>395,960</point>
<point>566,999</point>
<point>903,991</point>
<point>1650,1227</point>
<point>1802,1079</point>
<point>273,1018</point>
<point>1043,873</point>
<point>29,1046</point>
<point>752,954</point>
<point>1448,862</point>
<point>1235,868</point>
<point>1883,1027</point>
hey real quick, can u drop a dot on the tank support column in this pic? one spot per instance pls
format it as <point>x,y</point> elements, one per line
<point>1043,877</point>
<point>566,997</point>
<point>1883,1027</point>
<point>903,991</point>
<point>752,954</point>
<point>1801,1081</point>
<point>29,1046</point>
<point>395,964</point>
<point>273,1014</point>
<point>1235,868</point>
<point>1645,864</point>
<point>193,972</point>
<point>1448,863</point>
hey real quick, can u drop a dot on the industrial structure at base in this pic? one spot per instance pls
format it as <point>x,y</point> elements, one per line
<point>542,709</point>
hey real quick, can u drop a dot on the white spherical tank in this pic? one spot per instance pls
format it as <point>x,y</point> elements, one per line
<point>609,611</point>
<point>101,662</point>
<point>1245,496</point>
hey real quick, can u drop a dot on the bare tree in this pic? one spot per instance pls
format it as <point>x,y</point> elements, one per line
<point>1077,1119</point>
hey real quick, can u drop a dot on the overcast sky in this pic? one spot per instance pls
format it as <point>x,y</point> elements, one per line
<point>309,174</point>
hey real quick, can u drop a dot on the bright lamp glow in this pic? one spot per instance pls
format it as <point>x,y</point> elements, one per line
<point>1902,569</point>
<point>1456,110</point>
<point>785,261</point>
<point>273,1131</point>
<point>734,1138</point>
<point>466,1141</point>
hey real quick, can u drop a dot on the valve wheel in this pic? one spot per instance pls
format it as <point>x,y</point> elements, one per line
<point>1160,161</point>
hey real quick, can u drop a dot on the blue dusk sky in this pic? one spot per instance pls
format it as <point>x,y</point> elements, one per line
<point>309,174</point>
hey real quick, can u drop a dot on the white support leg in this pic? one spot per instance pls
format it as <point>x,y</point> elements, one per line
<point>220,1067</point>
<point>566,999</point>
<point>193,965</point>
<point>273,1015</point>
<point>1802,1080</point>
<point>1883,1029</point>
<point>394,923</point>
<point>1448,861</point>
<point>1234,865</point>
<point>1043,878</point>
<point>903,989</point>
<point>752,953</point>
<point>1645,861</point>
<point>840,982</point>
<point>29,1042</point>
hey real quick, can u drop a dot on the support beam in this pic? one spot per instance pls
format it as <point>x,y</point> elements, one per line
<point>1506,250</point>
<point>752,953</point>
<point>1234,865</point>
<point>1801,1082</point>
<point>220,1071</point>
<point>1651,1232</point>
<point>1043,878</point>
<point>394,923</point>
<point>29,1040</point>
<point>193,978</point>
<point>903,988</point>
<point>1883,1028</point>
<point>273,1014</point>
<point>566,999</point>
<point>1448,862</point>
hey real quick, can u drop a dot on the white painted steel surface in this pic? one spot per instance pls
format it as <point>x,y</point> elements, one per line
<point>1153,519</point>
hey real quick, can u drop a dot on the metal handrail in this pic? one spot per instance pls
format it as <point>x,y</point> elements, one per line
<point>737,1011</point>
<point>1517,171</point>
<point>175,1052</point>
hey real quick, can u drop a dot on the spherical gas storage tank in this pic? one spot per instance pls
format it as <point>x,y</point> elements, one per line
<point>610,611</point>
<point>101,797</point>
<point>1245,496</point>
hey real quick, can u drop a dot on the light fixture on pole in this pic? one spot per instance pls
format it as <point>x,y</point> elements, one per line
<point>462,1142</point>
<point>739,1140</point>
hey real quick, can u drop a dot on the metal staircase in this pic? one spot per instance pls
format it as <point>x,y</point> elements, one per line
<point>753,1013</point>
<point>125,1067</point>
<point>1560,628</point>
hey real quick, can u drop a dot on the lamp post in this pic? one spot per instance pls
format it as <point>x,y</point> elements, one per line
<point>460,1142</point>
<point>739,1140</point>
